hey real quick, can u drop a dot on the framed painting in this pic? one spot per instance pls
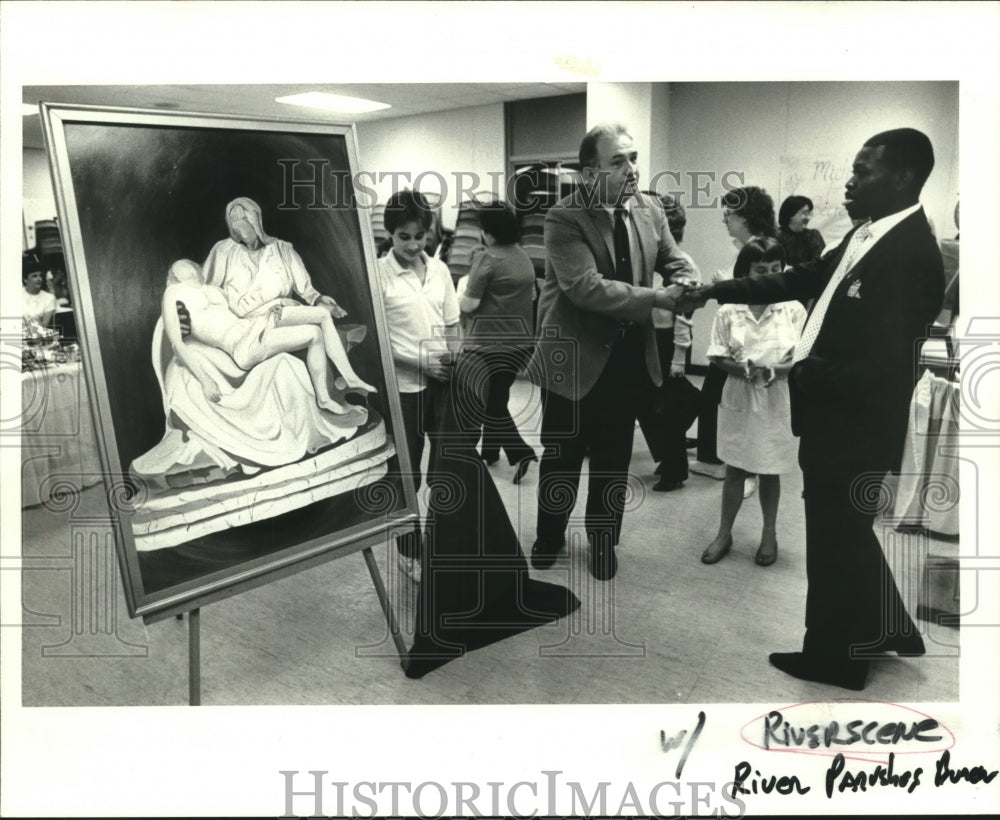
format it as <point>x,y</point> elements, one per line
<point>234,346</point>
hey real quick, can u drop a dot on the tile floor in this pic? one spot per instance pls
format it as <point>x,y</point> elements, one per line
<point>666,630</point>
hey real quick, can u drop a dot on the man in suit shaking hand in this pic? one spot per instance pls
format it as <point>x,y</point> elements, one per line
<point>851,383</point>
<point>596,357</point>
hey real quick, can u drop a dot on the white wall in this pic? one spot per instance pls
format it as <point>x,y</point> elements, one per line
<point>645,109</point>
<point>462,141</point>
<point>38,200</point>
<point>776,133</point>
<point>659,132</point>
<point>628,103</point>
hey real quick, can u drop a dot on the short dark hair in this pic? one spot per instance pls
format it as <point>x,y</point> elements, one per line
<point>755,206</point>
<point>906,148</point>
<point>499,221</point>
<point>588,145</point>
<point>407,206</point>
<point>758,249</point>
<point>676,215</point>
<point>29,265</point>
<point>791,206</point>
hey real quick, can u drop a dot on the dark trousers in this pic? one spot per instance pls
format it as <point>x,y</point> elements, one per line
<point>421,418</point>
<point>852,600</point>
<point>601,425</point>
<point>502,364</point>
<point>663,433</point>
<point>708,415</point>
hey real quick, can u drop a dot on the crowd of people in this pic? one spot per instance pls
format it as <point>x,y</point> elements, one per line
<point>810,342</point>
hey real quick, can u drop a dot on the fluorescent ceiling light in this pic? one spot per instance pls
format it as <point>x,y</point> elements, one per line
<point>27,109</point>
<point>332,102</point>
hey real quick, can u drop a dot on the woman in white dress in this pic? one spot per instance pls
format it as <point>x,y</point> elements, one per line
<point>754,344</point>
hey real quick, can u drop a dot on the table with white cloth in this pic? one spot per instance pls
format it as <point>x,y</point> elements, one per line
<point>928,491</point>
<point>58,442</point>
<point>927,496</point>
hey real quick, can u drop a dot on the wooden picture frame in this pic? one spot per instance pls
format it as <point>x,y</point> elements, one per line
<point>210,495</point>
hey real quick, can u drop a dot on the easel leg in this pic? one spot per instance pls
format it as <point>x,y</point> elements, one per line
<point>194,657</point>
<point>390,615</point>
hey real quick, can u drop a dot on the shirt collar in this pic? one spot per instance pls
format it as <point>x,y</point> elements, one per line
<point>627,205</point>
<point>773,307</point>
<point>398,269</point>
<point>882,226</point>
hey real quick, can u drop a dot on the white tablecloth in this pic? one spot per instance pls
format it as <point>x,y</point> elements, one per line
<point>58,443</point>
<point>928,490</point>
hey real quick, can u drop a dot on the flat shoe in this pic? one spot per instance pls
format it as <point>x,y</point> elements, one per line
<point>710,556</point>
<point>764,558</point>
<point>662,486</point>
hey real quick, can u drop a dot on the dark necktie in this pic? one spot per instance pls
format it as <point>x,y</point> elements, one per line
<point>623,254</point>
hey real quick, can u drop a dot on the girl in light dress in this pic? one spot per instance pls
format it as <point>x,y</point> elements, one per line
<point>754,344</point>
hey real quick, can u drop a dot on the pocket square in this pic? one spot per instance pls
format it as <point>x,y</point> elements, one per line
<point>853,290</point>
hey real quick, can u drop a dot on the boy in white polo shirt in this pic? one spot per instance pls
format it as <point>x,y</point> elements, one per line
<point>422,315</point>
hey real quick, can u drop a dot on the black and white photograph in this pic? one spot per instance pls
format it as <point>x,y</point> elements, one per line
<point>605,419</point>
<point>236,424</point>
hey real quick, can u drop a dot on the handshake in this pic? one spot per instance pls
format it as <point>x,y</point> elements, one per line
<point>683,296</point>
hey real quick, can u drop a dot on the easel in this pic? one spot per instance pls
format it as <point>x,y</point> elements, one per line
<point>194,630</point>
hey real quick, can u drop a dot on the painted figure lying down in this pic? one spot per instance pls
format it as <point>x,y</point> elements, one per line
<point>285,327</point>
<point>238,397</point>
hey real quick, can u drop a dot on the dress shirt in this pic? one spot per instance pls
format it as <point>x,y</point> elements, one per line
<point>881,227</point>
<point>876,230</point>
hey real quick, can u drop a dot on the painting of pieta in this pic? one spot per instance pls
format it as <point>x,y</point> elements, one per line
<point>234,344</point>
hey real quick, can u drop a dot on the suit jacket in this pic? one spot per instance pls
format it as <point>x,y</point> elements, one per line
<point>850,397</point>
<point>581,307</point>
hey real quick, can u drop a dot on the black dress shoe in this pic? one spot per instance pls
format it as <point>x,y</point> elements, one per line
<point>690,443</point>
<point>603,563</point>
<point>664,486</point>
<point>847,675</point>
<point>543,553</point>
<point>522,468</point>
